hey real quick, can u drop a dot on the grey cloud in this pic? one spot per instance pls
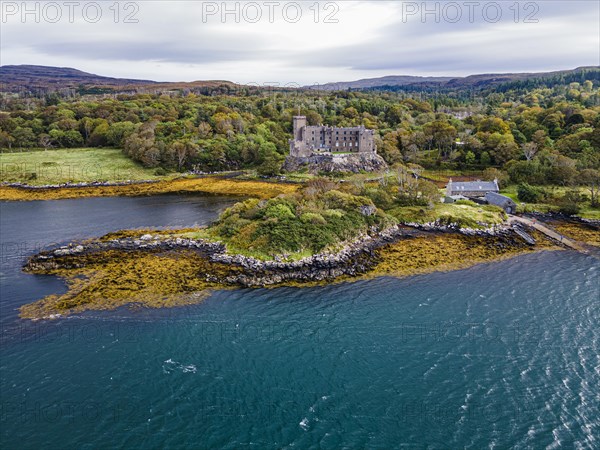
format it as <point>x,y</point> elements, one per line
<point>174,36</point>
<point>164,51</point>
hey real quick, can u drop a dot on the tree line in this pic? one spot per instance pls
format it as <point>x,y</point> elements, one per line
<point>544,132</point>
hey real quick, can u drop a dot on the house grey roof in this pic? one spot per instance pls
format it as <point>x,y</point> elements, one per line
<point>497,199</point>
<point>481,186</point>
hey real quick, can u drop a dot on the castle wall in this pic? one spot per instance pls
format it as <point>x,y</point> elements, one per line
<point>309,138</point>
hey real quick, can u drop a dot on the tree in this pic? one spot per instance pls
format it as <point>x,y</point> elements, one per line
<point>270,166</point>
<point>183,151</point>
<point>485,158</point>
<point>87,125</point>
<point>591,179</point>
<point>562,170</point>
<point>24,137</point>
<point>388,148</point>
<point>6,140</point>
<point>504,152</point>
<point>491,174</point>
<point>413,190</point>
<point>270,160</point>
<point>529,150</point>
<point>442,135</point>
<point>204,130</point>
<point>470,157</point>
<point>530,194</point>
<point>99,136</point>
<point>118,132</point>
<point>540,137</point>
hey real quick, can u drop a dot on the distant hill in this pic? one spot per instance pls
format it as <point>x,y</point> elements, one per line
<point>390,80</point>
<point>40,80</point>
<point>47,79</point>
<point>471,81</point>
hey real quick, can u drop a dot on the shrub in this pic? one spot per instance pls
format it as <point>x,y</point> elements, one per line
<point>530,194</point>
<point>279,211</point>
<point>381,198</point>
<point>569,203</point>
<point>314,218</point>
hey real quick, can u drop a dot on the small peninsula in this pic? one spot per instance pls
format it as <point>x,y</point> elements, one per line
<point>322,232</point>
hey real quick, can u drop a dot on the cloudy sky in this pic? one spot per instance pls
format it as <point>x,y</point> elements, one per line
<point>301,42</point>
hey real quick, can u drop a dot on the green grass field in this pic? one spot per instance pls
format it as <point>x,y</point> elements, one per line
<point>466,215</point>
<point>71,165</point>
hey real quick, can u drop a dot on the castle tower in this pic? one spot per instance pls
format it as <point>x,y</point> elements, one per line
<point>299,122</point>
<point>366,141</point>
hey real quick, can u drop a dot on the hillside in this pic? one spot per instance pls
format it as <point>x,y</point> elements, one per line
<point>471,81</point>
<point>46,79</point>
<point>390,80</point>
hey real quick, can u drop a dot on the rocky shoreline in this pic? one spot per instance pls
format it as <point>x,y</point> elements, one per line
<point>354,258</point>
<point>562,217</point>
<point>78,185</point>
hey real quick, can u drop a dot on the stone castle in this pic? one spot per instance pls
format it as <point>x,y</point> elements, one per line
<point>309,140</point>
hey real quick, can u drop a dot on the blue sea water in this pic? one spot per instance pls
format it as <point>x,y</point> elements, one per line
<point>501,355</point>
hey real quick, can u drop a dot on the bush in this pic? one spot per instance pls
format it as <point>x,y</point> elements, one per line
<point>530,194</point>
<point>279,211</point>
<point>313,218</point>
<point>160,172</point>
<point>569,203</point>
<point>380,198</point>
<point>491,174</point>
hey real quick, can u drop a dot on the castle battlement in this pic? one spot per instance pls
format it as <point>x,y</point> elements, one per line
<point>310,139</point>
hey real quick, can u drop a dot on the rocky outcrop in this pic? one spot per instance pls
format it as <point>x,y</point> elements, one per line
<point>353,258</point>
<point>496,230</point>
<point>78,185</point>
<point>330,163</point>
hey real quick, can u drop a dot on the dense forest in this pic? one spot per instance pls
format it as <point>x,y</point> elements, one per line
<point>536,132</point>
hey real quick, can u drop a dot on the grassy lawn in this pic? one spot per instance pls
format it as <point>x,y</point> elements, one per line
<point>590,213</point>
<point>464,214</point>
<point>71,165</point>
